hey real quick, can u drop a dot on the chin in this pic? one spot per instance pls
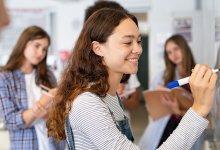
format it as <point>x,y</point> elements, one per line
<point>132,71</point>
<point>35,63</point>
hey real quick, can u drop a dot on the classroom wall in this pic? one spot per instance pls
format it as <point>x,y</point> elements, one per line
<point>67,19</point>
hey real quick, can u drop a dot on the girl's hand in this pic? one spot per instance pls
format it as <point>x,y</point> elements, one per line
<point>172,103</point>
<point>202,82</point>
<point>38,110</point>
<point>47,96</point>
<point>160,87</point>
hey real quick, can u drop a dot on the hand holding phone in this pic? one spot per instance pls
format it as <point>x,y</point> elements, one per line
<point>47,91</point>
<point>47,95</point>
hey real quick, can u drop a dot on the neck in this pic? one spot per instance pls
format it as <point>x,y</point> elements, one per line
<point>27,68</point>
<point>114,81</point>
<point>179,69</point>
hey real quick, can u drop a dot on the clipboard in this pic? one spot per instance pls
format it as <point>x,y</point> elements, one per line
<point>155,107</point>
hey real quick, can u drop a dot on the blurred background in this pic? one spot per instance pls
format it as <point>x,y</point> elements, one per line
<point>197,20</point>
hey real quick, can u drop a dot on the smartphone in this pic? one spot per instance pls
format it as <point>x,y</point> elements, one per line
<point>44,88</point>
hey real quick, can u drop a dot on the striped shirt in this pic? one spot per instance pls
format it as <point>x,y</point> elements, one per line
<point>94,128</point>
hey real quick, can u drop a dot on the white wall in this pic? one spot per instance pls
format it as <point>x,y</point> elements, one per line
<point>69,15</point>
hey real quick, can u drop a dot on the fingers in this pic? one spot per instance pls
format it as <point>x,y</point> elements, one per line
<point>213,80</point>
<point>166,99</point>
<point>201,73</point>
<point>194,72</point>
<point>48,94</point>
<point>208,75</point>
<point>202,83</point>
<point>43,87</point>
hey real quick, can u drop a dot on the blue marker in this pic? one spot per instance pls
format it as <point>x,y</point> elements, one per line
<point>183,81</point>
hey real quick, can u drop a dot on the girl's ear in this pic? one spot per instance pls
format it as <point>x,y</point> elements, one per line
<point>96,47</point>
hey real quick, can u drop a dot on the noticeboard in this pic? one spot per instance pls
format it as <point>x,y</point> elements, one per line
<point>20,19</point>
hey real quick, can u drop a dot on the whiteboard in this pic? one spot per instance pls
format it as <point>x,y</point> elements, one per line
<point>21,18</point>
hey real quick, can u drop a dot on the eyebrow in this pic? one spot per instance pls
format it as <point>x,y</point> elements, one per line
<point>44,47</point>
<point>131,36</point>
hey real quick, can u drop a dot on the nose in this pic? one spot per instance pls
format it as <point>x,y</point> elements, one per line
<point>40,52</point>
<point>137,49</point>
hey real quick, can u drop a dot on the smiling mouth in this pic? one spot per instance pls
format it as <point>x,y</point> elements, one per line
<point>132,59</point>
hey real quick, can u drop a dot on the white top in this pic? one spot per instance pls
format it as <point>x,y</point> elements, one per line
<point>93,126</point>
<point>33,94</point>
<point>154,130</point>
<point>131,86</point>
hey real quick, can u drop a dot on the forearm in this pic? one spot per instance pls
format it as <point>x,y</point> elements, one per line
<point>182,137</point>
<point>37,111</point>
<point>28,117</point>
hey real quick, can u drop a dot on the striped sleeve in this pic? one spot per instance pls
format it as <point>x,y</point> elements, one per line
<point>189,129</point>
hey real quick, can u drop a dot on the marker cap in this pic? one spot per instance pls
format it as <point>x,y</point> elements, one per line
<point>173,84</point>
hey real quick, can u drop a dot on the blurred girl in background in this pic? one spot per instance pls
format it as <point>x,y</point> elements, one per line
<point>179,63</point>
<point>23,104</point>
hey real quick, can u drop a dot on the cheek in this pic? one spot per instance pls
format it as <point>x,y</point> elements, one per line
<point>170,56</point>
<point>180,55</point>
<point>44,55</point>
<point>114,61</point>
<point>27,54</point>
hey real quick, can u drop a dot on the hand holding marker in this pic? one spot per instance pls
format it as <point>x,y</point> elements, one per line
<point>183,81</point>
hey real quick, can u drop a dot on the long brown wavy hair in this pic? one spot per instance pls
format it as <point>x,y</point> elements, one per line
<point>16,59</point>
<point>85,70</point>
<point>188,61</point>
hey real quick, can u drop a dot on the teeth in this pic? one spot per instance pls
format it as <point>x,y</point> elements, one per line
<point>133,60</point>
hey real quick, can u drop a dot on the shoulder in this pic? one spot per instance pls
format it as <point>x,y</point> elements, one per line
<point>11,78</point>
<point>87,99</point>
<point>6,75</point>
<point>87,103</point>
<point>6,79</point>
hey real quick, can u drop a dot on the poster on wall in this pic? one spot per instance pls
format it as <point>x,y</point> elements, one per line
<point>20,19</point>
<point>183,26</point>
<point>217,29</point>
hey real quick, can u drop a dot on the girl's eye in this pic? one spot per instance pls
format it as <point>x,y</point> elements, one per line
<point>37,45</point>
<point>139,41</point>
<point>45,49</point>
<point>169,52</point>
<point>127,43</point>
